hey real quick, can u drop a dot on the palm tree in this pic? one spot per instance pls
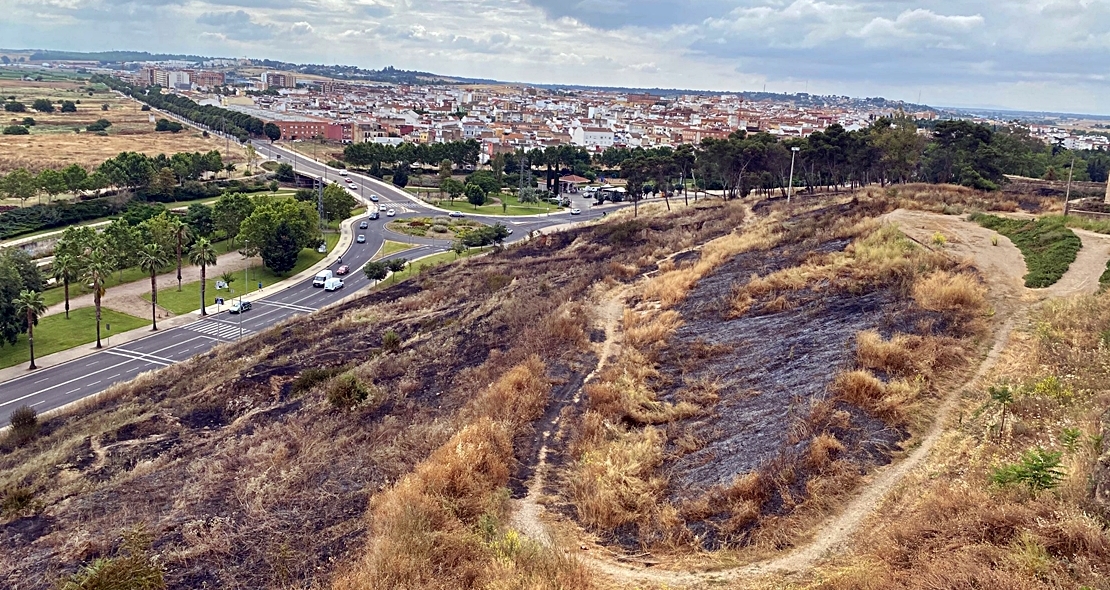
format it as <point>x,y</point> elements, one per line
<point>97,270</point>
<point>203,254</point>
<point>30,302</point>
<point>182,233</point>
<point>152,259</point>
<point>65,269</point>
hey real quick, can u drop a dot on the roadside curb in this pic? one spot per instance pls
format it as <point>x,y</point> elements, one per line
<point>83,350</point>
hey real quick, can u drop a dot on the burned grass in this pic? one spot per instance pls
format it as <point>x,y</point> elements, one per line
<point>759,381</point>
<point>957,524</point>
<point>245,475</point>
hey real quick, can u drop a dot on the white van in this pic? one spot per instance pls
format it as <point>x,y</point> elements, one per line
<point>323,277</point>
<point>333,284</point>
<point>342,172</point>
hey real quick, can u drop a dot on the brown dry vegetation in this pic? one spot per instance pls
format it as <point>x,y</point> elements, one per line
<point>658,459</point>
<point>53,144</point>
<point>949,526</point>
<point>246,476</point>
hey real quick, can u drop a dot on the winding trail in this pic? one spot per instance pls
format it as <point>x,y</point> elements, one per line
<point>1002,268</point>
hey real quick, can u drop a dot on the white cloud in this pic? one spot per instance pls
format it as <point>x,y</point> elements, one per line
<point>1039,54</point>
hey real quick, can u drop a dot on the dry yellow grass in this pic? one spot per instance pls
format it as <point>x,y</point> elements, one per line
<point>53,144</point>
<point>441,525</point>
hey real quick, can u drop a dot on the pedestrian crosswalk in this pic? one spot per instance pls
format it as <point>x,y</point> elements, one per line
<point>384,206</point>
<point>218,328</point>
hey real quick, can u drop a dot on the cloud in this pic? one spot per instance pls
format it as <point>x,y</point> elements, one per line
<point>1032,53</point>
<point>235,25</point>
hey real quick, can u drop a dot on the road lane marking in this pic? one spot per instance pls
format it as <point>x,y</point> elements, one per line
<point>72,391</point>
<point>141,356</point>
<point>93,383</point>
<point>287,306</point>
<point>41,380</point>
<point>64,383</point>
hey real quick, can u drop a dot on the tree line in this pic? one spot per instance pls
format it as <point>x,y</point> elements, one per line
<point>234,123</point>
<point>128,170</point>
<point>891,150</point>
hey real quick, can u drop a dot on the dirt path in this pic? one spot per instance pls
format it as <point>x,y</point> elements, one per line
<point>127,298</point>
<point>1002,267</point>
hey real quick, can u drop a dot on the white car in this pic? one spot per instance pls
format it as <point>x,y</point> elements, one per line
<point>390,213</point>
<point>343,173</point>
<point>575,211</point>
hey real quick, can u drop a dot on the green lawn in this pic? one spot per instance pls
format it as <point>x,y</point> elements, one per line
<point>1048,246</point>
<point>414,269</point>
<point>391,247</point>
<point>55,333</point>
<point>512,207</point>
<point>188,299</point>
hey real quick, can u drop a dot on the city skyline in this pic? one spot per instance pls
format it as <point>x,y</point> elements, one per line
<point>1017,55</point>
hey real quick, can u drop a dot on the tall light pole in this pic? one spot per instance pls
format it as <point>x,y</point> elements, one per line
<point>1067,193</point>
<point>790,190</point>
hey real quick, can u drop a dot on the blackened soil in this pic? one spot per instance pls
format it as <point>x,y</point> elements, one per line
<point>767,368</point>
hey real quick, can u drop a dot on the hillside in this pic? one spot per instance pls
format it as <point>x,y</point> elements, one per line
<point>714,396</point>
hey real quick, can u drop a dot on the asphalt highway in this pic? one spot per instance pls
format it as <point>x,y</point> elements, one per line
<point>56,386</point>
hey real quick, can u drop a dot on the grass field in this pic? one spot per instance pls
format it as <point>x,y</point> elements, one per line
<point>188,299</point>
<point>391,247</point>
<point>53,143</point>
<point>1048,246</point>
<point>55,333</point>
<point>512,206</point>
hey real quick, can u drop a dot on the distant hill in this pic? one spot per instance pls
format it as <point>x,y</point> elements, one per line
<point>111,56</point>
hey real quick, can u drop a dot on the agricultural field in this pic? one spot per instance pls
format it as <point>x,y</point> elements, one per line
<point>52,142</point>
<point>824,395</point>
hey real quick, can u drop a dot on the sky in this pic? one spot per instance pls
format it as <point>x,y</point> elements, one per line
<point>1037,55</point>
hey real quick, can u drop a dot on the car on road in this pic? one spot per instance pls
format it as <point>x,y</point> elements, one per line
<point>321,278</point>
<point>576,211</point>
<point>343,173</point>
<point>509,230</point>
<point>390,213</point>
<point>361,239</point>
<point>239,306</point>
<point>364,225</point>
<point>455,214</point>
<point>342,270</point>
<point>333,284</point>
<point>374,198</point>
<point>373,215</point>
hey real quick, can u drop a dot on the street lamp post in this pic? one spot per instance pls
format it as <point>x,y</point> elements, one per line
<point>790,190</point>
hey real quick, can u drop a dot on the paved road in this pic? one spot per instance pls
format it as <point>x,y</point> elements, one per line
<point>56,386</point>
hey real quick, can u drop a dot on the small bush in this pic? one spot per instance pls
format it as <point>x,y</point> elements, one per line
<point>1038,470</point>
<point>16,501</point>
<point>391,341</point>
<point>939,239</point>
<point>347,392</point>
<point>133,568</point>
<point>310,378</point>
<point>25,424</point>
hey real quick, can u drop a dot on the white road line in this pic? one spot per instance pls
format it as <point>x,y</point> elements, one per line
<point>287,306</point>
<point>64,383</point>
<point>93,383</point>
<point>72,392</point>
<point>41,380</point>
<point>141,356</point>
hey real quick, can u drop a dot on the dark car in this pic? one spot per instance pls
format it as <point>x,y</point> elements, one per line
<point>239,306</point>
<point>342,270</point>
<point>373,215</point>
<point>363,225</point>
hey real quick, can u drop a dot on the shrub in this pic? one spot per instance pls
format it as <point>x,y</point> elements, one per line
<point>347,392</point>
<point>1038,470</point>
<point>310,378</point>
<point>440,229</point>
<point>16,130</point>
<point>25,424</point>
<point>132,568</point>
<point>391,341</point>
<point>1048,246</point>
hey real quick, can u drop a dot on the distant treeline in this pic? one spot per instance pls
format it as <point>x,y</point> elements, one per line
<point>240,125</point>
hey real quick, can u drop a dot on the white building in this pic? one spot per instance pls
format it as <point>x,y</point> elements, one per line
<point>592,136</point>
